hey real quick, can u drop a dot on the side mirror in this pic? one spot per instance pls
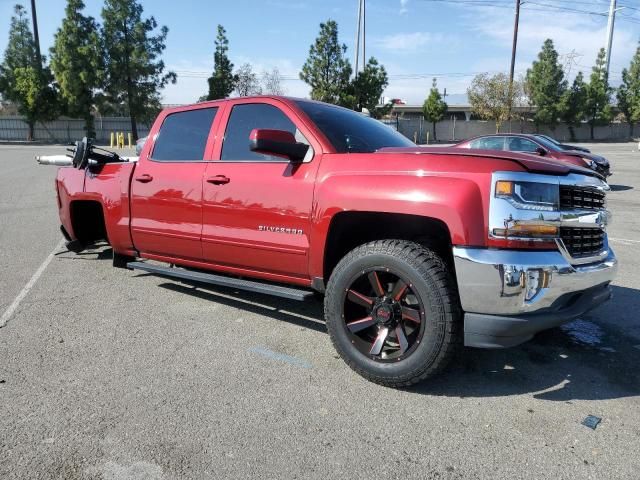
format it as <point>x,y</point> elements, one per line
<point>277,142</point>
<point>541,151</point>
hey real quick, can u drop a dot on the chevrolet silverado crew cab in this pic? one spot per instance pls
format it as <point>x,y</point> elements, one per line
<point>417,251</point>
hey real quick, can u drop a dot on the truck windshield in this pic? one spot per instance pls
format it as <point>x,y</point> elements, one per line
<point>352,132</point>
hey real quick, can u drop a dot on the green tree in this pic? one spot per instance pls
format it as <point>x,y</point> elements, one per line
<point>598,107</point>
<point>545,85</point>
<point>368,87</point>
<point>76,61</point>
<point>22,80</point>
<point>573,104</point>
<point>490,97</point>
<point>434,107</point>
<point>223,81</point>
<point>326,70</point>
<point>628,94</point>
<point>134,70</point>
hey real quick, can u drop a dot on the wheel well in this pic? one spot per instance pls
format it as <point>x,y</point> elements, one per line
<point>87,218</point>
<point>350,229</point>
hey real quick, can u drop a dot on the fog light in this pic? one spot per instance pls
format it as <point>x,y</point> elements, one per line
<point>536,280</point>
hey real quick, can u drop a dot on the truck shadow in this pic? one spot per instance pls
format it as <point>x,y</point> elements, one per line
<point>304,314</point>
<point>589,359</point>
<point>102,254</point>
<point>620,188</point>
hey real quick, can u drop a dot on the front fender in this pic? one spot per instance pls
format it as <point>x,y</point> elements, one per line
<point>457,202</point>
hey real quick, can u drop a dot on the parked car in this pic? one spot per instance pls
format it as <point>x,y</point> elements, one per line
<point>563,146</point>
<point>533,144</point>
<point>417,251</point>
<point>140,144</point>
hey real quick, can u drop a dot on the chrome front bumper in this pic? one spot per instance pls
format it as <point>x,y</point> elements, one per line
<point>509,295</point>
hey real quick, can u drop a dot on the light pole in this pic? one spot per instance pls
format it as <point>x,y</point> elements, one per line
<point>357,49</point>
<point>610,24</point>
<point>513,57</point>
<point>36,36</point>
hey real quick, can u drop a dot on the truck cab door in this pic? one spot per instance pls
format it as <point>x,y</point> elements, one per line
<point>166,188</point>
<point>256,207</point>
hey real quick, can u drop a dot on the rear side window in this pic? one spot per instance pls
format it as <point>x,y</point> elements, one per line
<point>243,119</point>
<point>183,136</point>
<point>517,144</point>
<point>488,143</point>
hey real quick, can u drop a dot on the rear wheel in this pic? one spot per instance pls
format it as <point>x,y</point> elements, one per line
<point>392,312</point>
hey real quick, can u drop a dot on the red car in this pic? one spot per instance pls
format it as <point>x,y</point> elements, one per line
<point>417,251</point>
<point>539,145</point>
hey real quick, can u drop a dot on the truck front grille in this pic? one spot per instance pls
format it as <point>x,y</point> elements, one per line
<point>581,198</point>
<point>582,242</point>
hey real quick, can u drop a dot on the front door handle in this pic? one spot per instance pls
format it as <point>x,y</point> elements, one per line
<point>144,178</point>
<point>218,180</point>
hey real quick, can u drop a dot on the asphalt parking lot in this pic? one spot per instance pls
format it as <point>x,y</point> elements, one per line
<point>111,374</point>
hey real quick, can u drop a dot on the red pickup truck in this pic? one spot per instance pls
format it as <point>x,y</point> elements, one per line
<point>417,251</point>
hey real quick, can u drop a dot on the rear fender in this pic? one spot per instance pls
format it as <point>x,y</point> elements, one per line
<point>109,187</point>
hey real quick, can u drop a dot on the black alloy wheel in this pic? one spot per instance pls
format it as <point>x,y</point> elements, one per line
<point>383,315</point>
<point>393,312</point>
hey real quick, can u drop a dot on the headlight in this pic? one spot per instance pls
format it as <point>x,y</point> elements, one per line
<point>521,209</point>
<point>529,195</point>
<point>590,163</point>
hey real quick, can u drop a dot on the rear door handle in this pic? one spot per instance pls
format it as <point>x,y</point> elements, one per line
<point>218,180</point>
<point>144,178</point>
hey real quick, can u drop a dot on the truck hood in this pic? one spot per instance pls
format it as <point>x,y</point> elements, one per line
<point>531,163</point>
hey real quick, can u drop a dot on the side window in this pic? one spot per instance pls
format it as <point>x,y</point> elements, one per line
<point>246,117</point>
<point>183,136</point>
<point>488,143</point>
<point>517,144</point>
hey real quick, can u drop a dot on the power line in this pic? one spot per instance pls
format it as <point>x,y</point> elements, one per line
<point>542,7</point>
<point>398,76</point>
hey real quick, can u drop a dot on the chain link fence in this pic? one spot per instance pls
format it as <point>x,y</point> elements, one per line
<point>14,128</point>
<point>455,130</point>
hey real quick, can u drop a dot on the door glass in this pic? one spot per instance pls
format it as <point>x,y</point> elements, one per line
<point>183,136</point>
<point>488,143</point>
<point>245,118</point>
<point>517,144</point>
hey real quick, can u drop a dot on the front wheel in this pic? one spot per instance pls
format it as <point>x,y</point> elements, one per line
<point>392,312</point>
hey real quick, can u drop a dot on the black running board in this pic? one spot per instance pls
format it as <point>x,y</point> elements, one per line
<point>248,285</point>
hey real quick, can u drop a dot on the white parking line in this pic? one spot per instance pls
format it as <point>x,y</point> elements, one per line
<point>25,290</point>
<point>624,240</point>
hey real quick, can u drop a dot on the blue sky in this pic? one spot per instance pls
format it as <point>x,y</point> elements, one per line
<point>415,39</point>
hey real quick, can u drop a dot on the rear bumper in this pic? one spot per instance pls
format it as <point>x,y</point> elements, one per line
<point>508,296</point>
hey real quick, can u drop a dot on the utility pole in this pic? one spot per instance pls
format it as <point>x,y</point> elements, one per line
<point>36,37</point>
<point>610,23</point>
<point>357,50</point>
<point>513,57</point>
<point>569,62</point>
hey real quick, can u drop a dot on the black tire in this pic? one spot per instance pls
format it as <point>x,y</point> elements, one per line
<point>438,336</point>
<point>120,260</point>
